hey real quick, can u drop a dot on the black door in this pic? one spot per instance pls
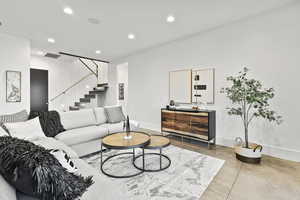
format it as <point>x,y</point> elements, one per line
<point>38,90</point>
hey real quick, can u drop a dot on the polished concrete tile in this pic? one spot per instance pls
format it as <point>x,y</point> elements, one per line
<point>273,179</point>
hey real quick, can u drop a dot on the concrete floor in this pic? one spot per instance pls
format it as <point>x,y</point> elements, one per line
<point>273,179</point>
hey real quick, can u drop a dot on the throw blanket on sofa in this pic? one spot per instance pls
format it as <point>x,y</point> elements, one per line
<point>50,122</point>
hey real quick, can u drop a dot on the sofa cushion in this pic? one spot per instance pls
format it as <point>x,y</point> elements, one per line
<point>100,115</point>
<point>77,119</point>
<point>51,143</point>
<point>8,192</point>
<point>118,127</point>
<point>80,135</point>
<point>114,114</point>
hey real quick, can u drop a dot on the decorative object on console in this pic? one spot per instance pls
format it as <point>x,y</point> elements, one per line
<point>203,86</point>
<point>50,122</point>
<point>28,130</point>
<point>13,86</point>
<point>114,114</point>
<point>32,170</point>
<point>250,100</point>
<point>172,103</point>
<point>195,124</point>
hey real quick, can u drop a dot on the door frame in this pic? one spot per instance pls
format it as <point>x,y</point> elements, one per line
<point>43,69</point>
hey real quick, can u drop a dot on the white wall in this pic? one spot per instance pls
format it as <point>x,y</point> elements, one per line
<point>122,74</point>
<point>62,74</point>
<point>14,55</point>
<point>268,44</point>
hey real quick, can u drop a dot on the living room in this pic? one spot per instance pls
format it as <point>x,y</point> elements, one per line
<point>208,87</point>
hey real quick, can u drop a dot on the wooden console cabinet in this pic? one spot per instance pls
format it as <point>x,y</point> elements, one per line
<point>195,124</point>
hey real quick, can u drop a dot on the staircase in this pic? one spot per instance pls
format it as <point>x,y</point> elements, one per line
<point>86,100</point>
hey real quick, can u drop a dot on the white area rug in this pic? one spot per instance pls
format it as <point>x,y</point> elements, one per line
<point>187,178</point>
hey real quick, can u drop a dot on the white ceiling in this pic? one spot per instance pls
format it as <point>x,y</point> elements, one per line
<point>39,19</point>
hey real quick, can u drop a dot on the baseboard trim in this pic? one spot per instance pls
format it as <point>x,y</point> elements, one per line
<point>270,150</point>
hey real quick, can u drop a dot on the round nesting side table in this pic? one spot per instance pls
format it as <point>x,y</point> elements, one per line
<point>157,142</point>
<point>116,141</point>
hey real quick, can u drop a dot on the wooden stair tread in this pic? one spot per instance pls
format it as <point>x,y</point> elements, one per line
<point>85,100</point>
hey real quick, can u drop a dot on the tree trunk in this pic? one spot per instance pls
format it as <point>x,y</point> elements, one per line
<point>246,137</point>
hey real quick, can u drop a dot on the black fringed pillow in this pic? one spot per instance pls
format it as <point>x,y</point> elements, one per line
<point>33,170</point>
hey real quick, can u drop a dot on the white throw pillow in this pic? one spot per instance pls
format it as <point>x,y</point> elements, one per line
<point>100,115</point>
<point>64,160</point>
<point>2,132</point>
<point>114,114</point>
<point>29,130</point>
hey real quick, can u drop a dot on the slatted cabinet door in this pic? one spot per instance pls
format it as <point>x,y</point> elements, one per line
<point>168,120</point>
<point>183,122</point>
<point>195,124</point>
<point>199,125</point>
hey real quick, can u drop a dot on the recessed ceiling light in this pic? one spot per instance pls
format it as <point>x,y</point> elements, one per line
<point>98,51</point>
<point>131,36</point>
<point>51,40</point>
<point>68,11</point>
<point>170,19</point>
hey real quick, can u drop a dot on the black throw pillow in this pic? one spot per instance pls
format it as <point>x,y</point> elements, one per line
<point>34,171</point>
<point>50,122</point>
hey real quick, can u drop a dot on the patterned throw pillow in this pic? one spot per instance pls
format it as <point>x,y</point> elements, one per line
<point>64,160</point>
<point>34,171</point>
<point>11,118</point>
<point>114,114</point>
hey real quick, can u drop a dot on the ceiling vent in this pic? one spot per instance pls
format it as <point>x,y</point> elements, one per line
<point>94,21</point>
<point>52,55</point>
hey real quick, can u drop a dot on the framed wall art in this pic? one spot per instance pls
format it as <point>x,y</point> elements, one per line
<point>180,86</point>
<point>203,86</point>
<point>121,91</point>
<point>13,86</point>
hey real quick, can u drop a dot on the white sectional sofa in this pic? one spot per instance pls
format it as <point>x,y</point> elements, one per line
<point>85,128</point>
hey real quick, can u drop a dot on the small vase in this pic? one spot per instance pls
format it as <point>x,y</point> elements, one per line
<point>127,127</point>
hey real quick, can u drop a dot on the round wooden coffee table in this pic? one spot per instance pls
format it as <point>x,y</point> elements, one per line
<point>156,142</point>
<point>117,141</point>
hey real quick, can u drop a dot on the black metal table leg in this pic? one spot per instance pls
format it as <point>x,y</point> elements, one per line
<point>116,176</point>
<point>161,168</point>
<point>133,152</point>
<point>143,159</point>
<point>160,160</point>
<point>101,154</point>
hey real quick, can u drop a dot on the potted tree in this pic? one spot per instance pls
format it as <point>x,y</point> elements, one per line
<point>249,101</point>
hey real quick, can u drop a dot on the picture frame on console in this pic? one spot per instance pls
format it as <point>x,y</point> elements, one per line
<point>13,86</point>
